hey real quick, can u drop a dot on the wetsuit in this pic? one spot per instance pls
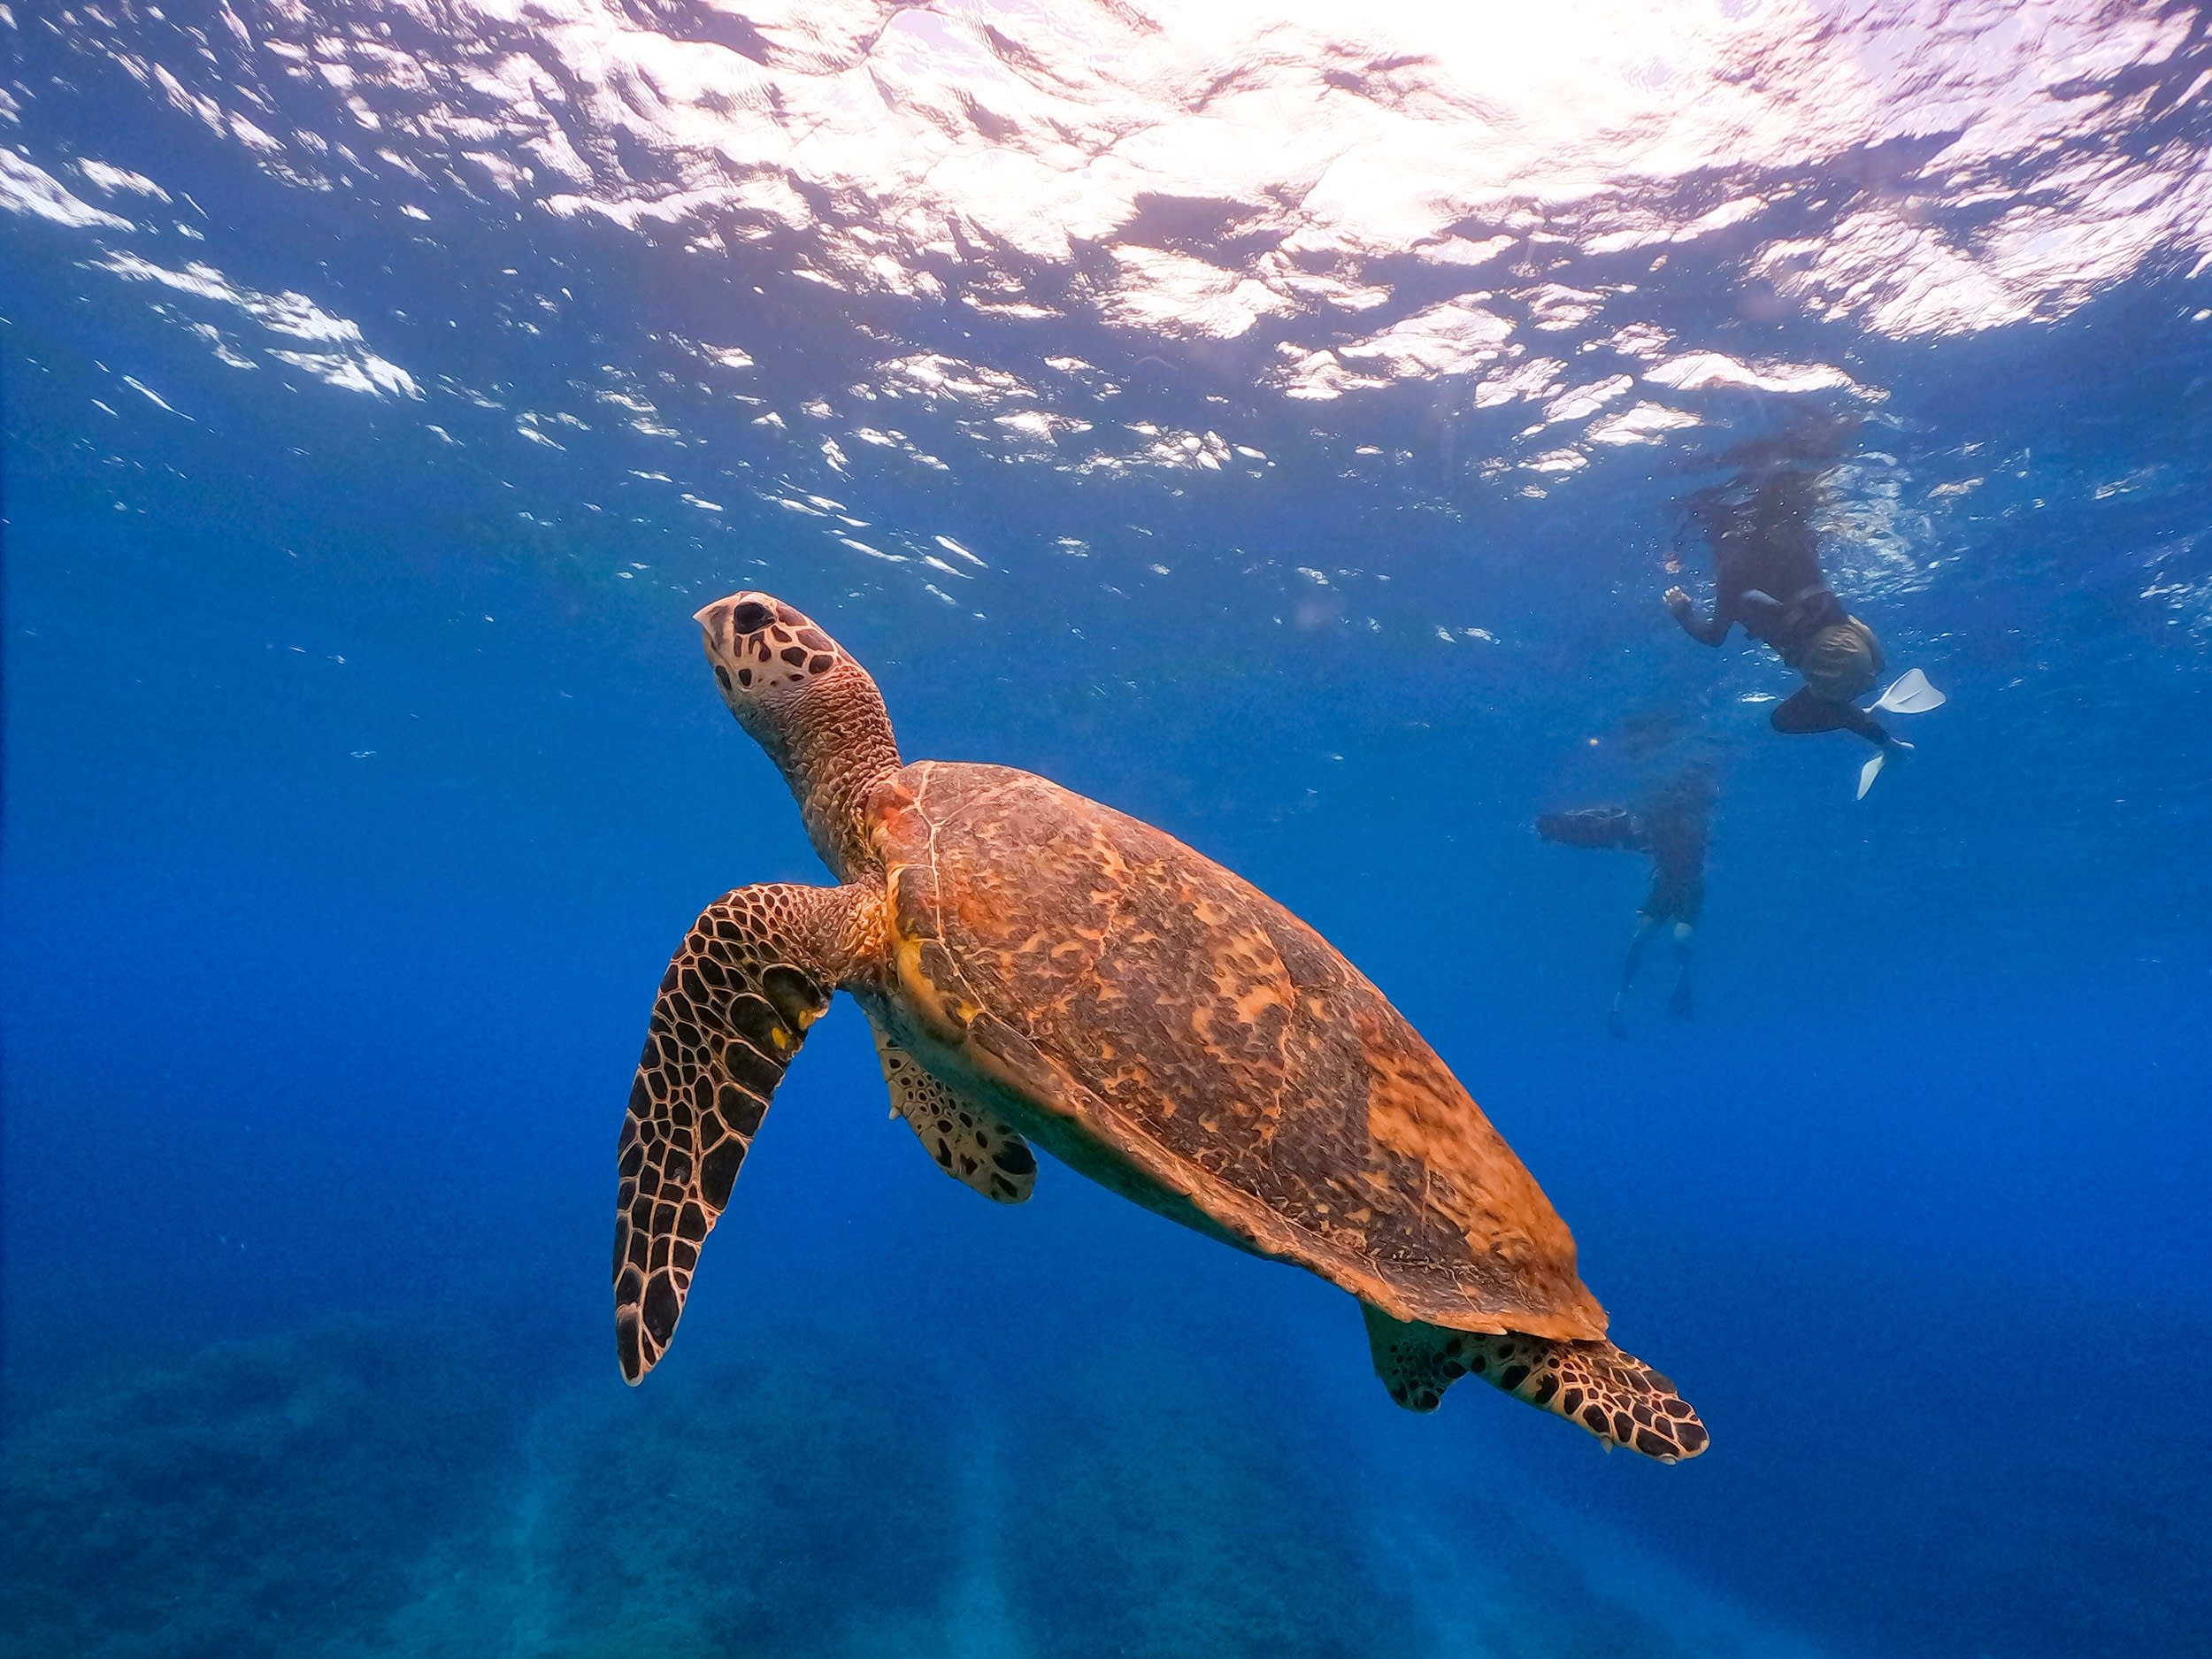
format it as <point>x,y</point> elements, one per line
<point>1672,833</point>
<point>1673,839</point>
<point>1767,577</point>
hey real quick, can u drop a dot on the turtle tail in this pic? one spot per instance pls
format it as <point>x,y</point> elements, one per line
<point>1612,1394</point>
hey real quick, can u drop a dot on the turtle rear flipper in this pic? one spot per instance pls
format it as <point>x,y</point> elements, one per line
<point>970,1143</point>
<point>1612,1394</point>
<point>756,969</point>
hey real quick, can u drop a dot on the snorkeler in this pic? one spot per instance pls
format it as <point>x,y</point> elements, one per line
<point>1672,831</point>
<point>1767,578</point>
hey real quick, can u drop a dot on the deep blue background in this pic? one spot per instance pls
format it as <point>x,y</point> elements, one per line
<point>323,981</point>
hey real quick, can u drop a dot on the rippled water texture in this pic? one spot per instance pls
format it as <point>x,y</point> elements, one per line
<point>1523,211</point>
<point>1277,421</point>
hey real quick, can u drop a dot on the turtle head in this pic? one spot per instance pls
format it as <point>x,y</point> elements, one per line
<point>767,657</point>
<point>815,710</point>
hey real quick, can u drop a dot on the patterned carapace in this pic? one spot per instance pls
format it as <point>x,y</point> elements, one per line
<point>1038,967</point>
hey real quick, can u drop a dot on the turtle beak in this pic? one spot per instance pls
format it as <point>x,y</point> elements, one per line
<point>713,620</point>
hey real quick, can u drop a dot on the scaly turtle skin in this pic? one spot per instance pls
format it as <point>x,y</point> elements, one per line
<point>1039,968</point>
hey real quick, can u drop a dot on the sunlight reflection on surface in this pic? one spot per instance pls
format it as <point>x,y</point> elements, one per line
<point>1255,159</point>
<point>1099,240</point>
<point>1321,135</point>
<point>1247,159</point>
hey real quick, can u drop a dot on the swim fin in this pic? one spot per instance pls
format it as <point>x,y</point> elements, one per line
<point>1872,769</point>
<point>1910,694</point>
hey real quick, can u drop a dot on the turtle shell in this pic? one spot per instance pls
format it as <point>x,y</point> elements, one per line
<point>1143,1000</point>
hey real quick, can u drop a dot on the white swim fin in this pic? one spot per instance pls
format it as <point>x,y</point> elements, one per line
<point>1910,694</point>
<point>1872,769</point>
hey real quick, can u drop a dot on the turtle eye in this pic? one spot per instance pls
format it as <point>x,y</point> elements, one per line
<point>751,617</point>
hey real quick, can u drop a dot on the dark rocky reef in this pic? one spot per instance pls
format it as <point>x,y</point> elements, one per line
<point>369,1489</point>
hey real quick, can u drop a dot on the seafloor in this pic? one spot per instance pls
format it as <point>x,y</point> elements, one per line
<point>384,1488</point>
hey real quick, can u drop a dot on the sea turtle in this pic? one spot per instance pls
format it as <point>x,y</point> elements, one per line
<point>1039,968</point>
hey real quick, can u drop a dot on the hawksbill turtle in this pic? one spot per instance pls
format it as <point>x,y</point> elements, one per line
<point>1039,969</point>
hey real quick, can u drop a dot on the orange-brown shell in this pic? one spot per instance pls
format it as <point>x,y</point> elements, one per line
<point>1127,986</point>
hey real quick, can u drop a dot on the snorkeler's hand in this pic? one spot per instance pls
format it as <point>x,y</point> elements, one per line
<point>1676,600</point>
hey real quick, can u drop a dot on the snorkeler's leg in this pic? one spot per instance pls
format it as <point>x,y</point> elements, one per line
<point>1803,713</point>
<point>1633,964</point>
<point>1616,1021</point>
<point>1680,1005</point>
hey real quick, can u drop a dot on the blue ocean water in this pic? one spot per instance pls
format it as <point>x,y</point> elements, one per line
<point>1273,421</point>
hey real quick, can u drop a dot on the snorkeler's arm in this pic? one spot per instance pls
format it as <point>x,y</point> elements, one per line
<point>1703,630</point>
<point>1760,612</point>
<point>1613,828</point>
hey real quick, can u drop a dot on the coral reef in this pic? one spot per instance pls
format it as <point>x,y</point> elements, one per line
<point>786,1498</point>
<point>244,1504</point>
<point>374,1490</point>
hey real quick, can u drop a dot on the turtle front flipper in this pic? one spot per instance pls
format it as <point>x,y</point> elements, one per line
<point>756,969</point>
<point>1612,1394</point>
<point>970,1143</point>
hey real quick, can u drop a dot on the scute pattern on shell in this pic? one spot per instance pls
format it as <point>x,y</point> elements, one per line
<point>1205,1032</point>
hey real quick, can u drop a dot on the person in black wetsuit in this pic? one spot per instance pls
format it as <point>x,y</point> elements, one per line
<point>1767,577</point>
<point>1672,831</point>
